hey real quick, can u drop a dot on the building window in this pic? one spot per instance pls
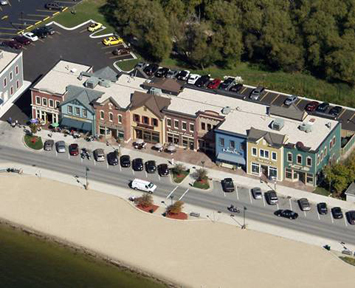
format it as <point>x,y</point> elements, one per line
<point>255,168</point>
<point>136,118</point>
<point>192,127</point>
<point>5,82</point>
<point>318,159</point>
<point>16,70</point>
<point>77,111</point>
<point>221,142</point>
<point>110,106</point>
<point>11,76</point>
<point>102,115</point>
<point>299,159</point>
<point>168,122</point>
<point>12,90</point>
<point>274,156</point>
<point>264,153</point>
<point>155,122</point>
<point>325,151</point>
<point>110,117</point>
<point>203,126</point>
<point>289,157</point>
<point>254,151</point>
<point>17,84</point>
<point>232,144</point>
<point>119,119</point>
<point>309,161</point>
<point>51,103</point>
<point>288,173</point>
<point>309,178</point>
<point>70,109</point>
<point>38,100</point>
<point>183,126</point>
<point>145,120</point>
<point>176,124</point>
<point>273,172</point>
<point>44,101</point>
<point>57,103</point>
<point>209,127</point>
<point>85,113</point>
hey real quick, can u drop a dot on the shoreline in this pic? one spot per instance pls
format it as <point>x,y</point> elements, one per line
<point>119,264</point>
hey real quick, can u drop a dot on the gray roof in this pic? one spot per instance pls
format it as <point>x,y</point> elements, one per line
<point>272,138</point>
<point>83,95</point>
<point>291,112</point>
<point>351,189</point>
<point>106,73</point>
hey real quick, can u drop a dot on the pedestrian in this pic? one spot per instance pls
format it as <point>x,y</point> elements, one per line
<point>172,161</point>
<point>9,120</point>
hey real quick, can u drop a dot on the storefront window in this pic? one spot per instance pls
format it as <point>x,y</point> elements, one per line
<point>255,168</point>
<point>155,138</point>
<point>273,172</point>
<point>288,173</point>
<point>310,178</point>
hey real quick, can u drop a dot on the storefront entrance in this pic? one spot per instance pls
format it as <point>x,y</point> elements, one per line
<point>147,136</point>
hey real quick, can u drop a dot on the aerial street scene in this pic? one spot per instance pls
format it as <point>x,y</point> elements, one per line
<point>177,143</point>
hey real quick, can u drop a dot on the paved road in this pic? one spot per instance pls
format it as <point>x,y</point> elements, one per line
<point>308,222</point>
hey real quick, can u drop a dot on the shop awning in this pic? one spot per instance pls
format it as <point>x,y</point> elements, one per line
<point>231,158</point>
<point>71,123</point>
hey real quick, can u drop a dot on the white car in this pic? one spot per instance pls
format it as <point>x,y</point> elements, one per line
<point>4,2</point>
<point>193,78</point>
<point>31,36</point>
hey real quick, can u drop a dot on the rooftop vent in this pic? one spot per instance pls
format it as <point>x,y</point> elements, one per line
<point>306,127</point>
<point>329,125</point>
<point>226,110</point>
<point>91,82</point>
<point>277,124</point>
<point>87,74</point>
<point>73,70</point>
<point>105,83</point>
<point>155,91</point>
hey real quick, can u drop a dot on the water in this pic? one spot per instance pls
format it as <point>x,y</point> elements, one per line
<point>26,262</point>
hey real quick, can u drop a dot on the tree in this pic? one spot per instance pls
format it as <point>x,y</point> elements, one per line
<point>33,127</point>
<point>175,208</point>
<point>201,174</point>
<point>146,200</point>
<point>179,169</point>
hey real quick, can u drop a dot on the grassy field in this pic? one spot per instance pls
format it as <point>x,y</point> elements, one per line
<point>36,145</point>
<point>201,185</point>
<point>321,191</point>
<point>348,260</point>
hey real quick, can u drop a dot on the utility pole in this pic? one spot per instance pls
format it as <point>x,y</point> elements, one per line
<point>244,209</point>
<point>87,182</point>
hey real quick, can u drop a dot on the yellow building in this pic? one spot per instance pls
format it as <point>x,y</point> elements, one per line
<point>265,154</point>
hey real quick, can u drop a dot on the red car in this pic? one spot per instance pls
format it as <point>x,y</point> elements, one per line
<point>214,84</point>
<point>12,44</point>
<point>74,149</point>
<point>22,40</point>
<point>311,106</point>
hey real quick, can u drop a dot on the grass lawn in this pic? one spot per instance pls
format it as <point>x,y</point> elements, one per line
<point>348,260</point>
<point>321,191</point>
<point>129,64</point>
<point>202,184</point>
<point>33,142</point>
<point>179,178</point>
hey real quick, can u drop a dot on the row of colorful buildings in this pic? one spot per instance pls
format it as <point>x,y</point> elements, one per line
<point>279,143</point>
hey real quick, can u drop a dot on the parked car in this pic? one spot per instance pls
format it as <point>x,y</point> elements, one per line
<point>40,33</point>
<point>161,72</point>
<point>22,40</point>
<point>304,204</point>
<point>125,161</point>
<point>112,158</point>
<point>172,74</point>
<point>256,192</point>
<point>163,170</point>
<point>228,185</point>
<point>236,88</point>
<point>4,2</point>
<point>30,36</point>
<point>74,149</point>
<point>150,166</point>
<point>227,83</point>
<point>290,100</point>
<point>350,216</point>
<point>94,27</point>
<point>193,78</point>
<point>120,51</point>
<point>99,155</point>
<point>60,146</point>
<point>311,106</point>
<point>271,197</point>
<point>143,185</point>
<point>286,214</point>
<point>48,145</point>
<point>337,213</point>
<point>48,28</point>
<point>256,93</point>
<point>112,40</point>
<point>322,107</point>
<point>214,83</point>
<point>151,69</point>
<point>183,75</point>
<point>12,44</point>
<point>203,81</point>
<point>322,208</point>
<point>137,164</point>
<point>54,6</point>
<point>335,111</point>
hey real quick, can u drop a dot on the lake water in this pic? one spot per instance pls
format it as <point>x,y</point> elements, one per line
<point>26,262</point>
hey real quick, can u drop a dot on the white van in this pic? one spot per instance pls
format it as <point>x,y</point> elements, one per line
<point>146,186</point>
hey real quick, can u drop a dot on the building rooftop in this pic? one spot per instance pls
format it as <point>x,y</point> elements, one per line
<point>6,58</point>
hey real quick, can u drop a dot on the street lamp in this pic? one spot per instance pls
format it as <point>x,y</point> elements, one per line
<point>244,226</point>
<point>171,198</point>
<point>86,176</point>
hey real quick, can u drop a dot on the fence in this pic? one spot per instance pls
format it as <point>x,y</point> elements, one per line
<point>348,145</point>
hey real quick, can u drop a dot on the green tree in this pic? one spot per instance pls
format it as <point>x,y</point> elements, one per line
<point>175,208</point>
<point>146,200</point>
<point>201,174</point>
<point>179,169</point>
<point>34,128</point>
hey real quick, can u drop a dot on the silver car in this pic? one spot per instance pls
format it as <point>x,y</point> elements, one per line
<point>60,146</point>
<point>256,93</point>
<point>290,100</point>
<point>48,145</point>
<point>99,155</point>
<point>304,204</point>
<point>256,192</point>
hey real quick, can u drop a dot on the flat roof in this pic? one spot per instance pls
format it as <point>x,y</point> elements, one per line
<point>7,58</point>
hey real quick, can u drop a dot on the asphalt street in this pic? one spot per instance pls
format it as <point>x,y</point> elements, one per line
<point>216,200</point>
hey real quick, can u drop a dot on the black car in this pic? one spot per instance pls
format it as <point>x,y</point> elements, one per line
<point>48,29</point>
<point>183,75</point>
<point>22,40</point>
<point>322,208</point>
<point>337,213</point>
<point>54,6</point>
<point>112,158</point>
<point>151,69</point>
<point>40,32</point>
<point>125,161</point>
<point>161,72</point>
<point>286,214</point>
<point>350,215</point>
<point>226,84</point>
<point>227,185</point>
<point>236,88</point>
<point>150,166</point>
<point>137,164</point>
<point>203,80</point>
<point>322,107</point>
<point>163,170</point>
<point>271,197</point>
<point>335,111</point>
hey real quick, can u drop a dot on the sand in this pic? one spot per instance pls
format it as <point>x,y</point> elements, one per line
<point>190,253</point>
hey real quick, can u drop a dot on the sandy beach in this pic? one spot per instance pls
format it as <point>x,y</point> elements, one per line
<point>189,253</point>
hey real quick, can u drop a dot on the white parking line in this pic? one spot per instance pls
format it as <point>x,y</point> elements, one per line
<point>318,214</point>
<point>159,177</point>
<point>290,204</point>
<point>171,193</point>
<point>56,154</point>
<point>224,193</point>
<point>304,212</point>
<point>81,159</point>
<point>184,194</point>
<point>277,205</point>
<point>120,168</point>
<point>251,201</point>
<point>68,156</point>
<point>132,171</point>
<point>263,200</point>
<point>236,192</point>
<point>346,222</point>
<point>94,162</point>
<point>146,175</point>
<point>107,165</point>
<point>331,217</point>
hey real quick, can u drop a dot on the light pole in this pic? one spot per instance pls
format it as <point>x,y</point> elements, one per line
<point>86,176</point>
<point>171,198</point>
<point>244,209</point>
